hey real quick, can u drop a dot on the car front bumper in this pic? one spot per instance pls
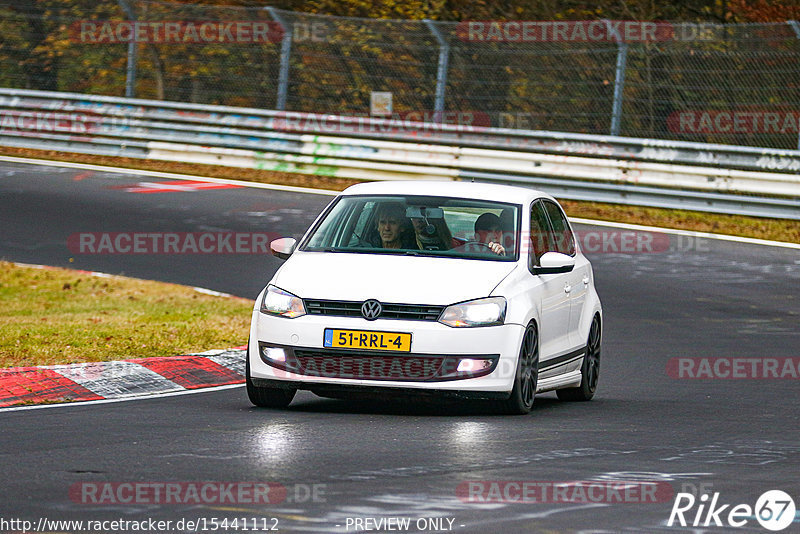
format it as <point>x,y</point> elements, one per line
<point>304,335</point>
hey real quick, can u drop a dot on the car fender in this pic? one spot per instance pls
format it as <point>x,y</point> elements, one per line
<point>517,288</point>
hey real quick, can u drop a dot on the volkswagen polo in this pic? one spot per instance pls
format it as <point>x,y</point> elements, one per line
<point>436,288</point>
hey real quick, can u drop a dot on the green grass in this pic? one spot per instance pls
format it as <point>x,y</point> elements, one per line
<point>56,316</point>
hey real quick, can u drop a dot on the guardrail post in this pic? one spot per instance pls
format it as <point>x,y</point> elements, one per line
<point>796,27</point>
<point>286,53</point>
<point>441,71</point>
<point>130,75</point>
<point>619,78</point>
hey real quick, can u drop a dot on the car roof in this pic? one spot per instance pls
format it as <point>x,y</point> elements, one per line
<point>481,191</point>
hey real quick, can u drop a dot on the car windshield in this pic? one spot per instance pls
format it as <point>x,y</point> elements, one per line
<point>415,225</point>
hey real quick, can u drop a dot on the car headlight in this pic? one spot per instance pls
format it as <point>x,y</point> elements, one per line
<point>279,302</point>
<point>482,312</point>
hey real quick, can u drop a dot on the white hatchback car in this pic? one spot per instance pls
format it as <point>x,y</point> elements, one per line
<point>472,290</point>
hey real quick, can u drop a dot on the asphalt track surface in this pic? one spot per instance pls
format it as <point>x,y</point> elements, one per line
<point>701,298</point>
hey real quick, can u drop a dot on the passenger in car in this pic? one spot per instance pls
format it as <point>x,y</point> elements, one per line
<point>435,235</point>
<point>489,232</point>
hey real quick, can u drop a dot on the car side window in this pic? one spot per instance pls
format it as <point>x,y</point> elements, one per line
<point>541,238</point>
<point>564,240</point>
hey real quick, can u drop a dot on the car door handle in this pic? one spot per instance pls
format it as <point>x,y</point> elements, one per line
<point>567,288</point>
<point>586,280</point>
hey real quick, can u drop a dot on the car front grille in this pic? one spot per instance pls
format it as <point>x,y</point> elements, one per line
<point>368,366</point>
<point>344,308</point>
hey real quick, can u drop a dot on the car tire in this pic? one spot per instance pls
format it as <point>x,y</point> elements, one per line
<point>520,402</point>
<point>590,369</point>
<point>266,397</point>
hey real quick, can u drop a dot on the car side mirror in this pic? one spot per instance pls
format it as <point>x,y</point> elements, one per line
<point>283,247</point>
<point>554,263</point>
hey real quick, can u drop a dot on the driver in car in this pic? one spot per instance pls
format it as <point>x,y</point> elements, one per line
<point>393,226</point>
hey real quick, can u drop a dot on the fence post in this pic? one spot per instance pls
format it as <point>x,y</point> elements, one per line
<point>286,53</point>
<point>441,71</point>
<point>796,27</point>
<point>619,78</point>
<point>130,75</point>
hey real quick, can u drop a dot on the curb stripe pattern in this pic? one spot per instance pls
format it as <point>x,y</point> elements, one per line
<point>118,379</point>
<point>34,385</point>
<point>191,372</point>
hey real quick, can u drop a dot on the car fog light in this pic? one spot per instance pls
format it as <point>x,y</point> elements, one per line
<point>469,365</point>
<point>275,354</point>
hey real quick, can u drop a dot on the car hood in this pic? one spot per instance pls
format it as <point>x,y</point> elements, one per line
<point>389,278</point>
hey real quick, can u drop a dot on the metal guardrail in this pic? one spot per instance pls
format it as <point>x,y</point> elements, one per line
<point>673,174</point>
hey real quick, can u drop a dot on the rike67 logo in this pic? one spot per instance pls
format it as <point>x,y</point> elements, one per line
<point>774,510</point>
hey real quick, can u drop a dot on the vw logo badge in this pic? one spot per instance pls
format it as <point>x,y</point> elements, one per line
<point>371,309</point>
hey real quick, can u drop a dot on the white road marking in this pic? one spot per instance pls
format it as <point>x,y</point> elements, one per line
<point>690,233</point>
<point>312,191</point>
<point>171,175</point>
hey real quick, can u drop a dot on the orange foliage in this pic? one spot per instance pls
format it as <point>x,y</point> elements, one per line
<point>765,10</point>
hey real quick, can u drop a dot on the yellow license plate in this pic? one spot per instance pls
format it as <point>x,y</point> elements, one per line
<point>367,340</point>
